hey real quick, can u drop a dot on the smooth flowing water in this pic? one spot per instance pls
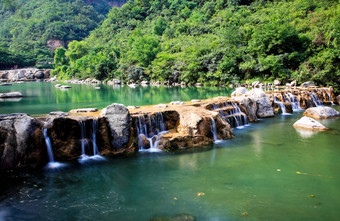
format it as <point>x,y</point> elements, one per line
<point>269,171</point>
<point>41,98</point>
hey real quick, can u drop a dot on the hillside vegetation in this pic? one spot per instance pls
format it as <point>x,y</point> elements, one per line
<point>26,26</point>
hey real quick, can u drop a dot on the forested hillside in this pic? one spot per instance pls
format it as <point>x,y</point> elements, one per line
<point>26,26</point>
<point>213,42</point>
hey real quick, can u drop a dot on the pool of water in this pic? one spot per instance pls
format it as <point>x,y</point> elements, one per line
<point>40,98</point>
<point>269,171</point>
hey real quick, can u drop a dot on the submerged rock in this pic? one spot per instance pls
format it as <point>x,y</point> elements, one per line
<point>119,120</point>
<point>309,123</point>
<point>10,95</point>
<point>5,84</point>
<point>264,108</point>
<point>321,112</point>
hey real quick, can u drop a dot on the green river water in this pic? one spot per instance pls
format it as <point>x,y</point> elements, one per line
<point>41,98</point>
<point>269,171</point>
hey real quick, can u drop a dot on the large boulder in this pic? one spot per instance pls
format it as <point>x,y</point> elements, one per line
<point>249,103</point>
<point>239,91</point>
<point>21,142</point>
<point>119,120</point>
<point>39,75</point>
<point>321,112</point>
<point>255,84</point>
<point>309,124</point>
<point>264,108</point>
<point>277,82</point>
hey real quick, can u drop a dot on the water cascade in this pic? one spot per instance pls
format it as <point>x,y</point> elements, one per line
<point>233,115</point>
<point>329,97</point>
<point>283,107</point>
<point>317,102</point>
<point>152,129</point>
<point>213,129</point>
<point>85,143</point>
<point>51,162</point>
<point>294,101</point>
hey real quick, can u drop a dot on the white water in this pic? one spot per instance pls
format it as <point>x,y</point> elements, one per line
<point>51,164</point>
<point>84,142</point>
<point>152,130</point>
<point>213,130</point>
<point>283,107</point>
<point>329,97</point>
<point>294,101</point>
<point>317,102</point>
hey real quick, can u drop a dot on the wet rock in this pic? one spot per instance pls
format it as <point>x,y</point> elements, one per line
<point>97,88</point>
<point>321,112</point>
<point>309,124</point>
<point>249,103</point>
<point>195,100</point>
<point>59,113</point>
<point>65,87</point>
<point>83,110</point>
<point>57,85</point>
<point>145,82</point>
<point>308,84</point>
<point>39,75</point>
<point>177,103</point>
<point>264,108</point>
<point>161,106</point>
<point>118,118</point>
<point>11,95</point>
<point>132,107</point>
<point>21,142</point>
<point>277,83</point>
<point>239,91</point>
<point>5,84</point>
<point>255,84</point>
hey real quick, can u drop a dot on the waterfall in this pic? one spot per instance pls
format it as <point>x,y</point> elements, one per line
<point>94,137</point>
<point>283,107</point>
<point>317,102</point>
<point>234,116</point>
<point>213,129</point>
<point>151,129</point>
<point>294,101</point>
<point>83,140</point>
<point>329,97</point>
<point>49,146</point>
<point>51,164</point>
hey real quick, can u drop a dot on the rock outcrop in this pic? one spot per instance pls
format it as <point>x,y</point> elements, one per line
<point>264,108</point>
<point>21,142</point>
<point>309,124</point>
<point>26,74</point>
<point>321,112</point>
<point>239,91</point>
<point>119,120</point>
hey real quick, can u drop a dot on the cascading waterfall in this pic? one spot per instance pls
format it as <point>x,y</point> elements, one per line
<point>213,129</point>
<point>235,116</point>
<point>283,107</point>
<point>294,101</point>
<point>85,143</point>
<point>152,129</point>
<point>83,140</point>
<point>51,164</point>
<point>317,102</point>
<point>329,97</point>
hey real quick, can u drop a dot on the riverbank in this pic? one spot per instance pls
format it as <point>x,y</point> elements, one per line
<point>117,130</point>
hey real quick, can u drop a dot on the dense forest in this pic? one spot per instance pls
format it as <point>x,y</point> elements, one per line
<point>26,26</point>
<point>211,42</point>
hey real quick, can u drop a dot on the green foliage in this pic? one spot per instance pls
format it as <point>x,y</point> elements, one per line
<point>215,42</point>
<point>26,26</point>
